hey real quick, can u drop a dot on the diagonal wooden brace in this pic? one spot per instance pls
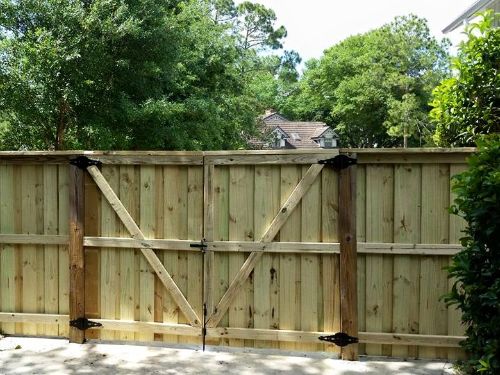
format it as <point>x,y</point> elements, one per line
<point>271,232</point>
<point>148,253</point>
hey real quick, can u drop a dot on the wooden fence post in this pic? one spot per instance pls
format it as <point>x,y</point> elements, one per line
<point>76,251</point>
<point>348,259</point>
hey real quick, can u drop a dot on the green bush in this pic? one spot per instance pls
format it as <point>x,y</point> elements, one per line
<point>468,104</point>
<point>476,269</point>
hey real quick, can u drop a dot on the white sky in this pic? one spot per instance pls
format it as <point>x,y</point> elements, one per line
<point>314,25</point>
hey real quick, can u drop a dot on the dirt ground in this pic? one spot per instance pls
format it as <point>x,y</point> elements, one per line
<point>20,355</point>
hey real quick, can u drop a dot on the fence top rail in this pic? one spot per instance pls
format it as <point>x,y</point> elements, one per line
<point>365,155</point>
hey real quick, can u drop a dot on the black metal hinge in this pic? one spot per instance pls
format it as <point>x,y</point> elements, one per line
<point>84,162</point>
<point>83,323</point>
<point>339,161</point>
<point>340,339</point>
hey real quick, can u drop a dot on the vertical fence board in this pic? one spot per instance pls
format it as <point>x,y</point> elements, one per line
<point>195,233</point>
<point>110,257</point>
<point>241,188</point>
<point>159,230</point>
<point>76,231</point>
<point>221,233</point>
<point>330,263</point>
<point>64,274</point>
<point>361,236</point>
<point>175,183</point>
<point>29,256</point>
<point>8,252</point>
<point>433,280</point>
<point>51,255</point>
<point>266,205</point>
<point>379,228</point>
<point>348,259</point>
<point>93,204</point>
<point>147,225</point>
<point>128,196</point>
<point>289,313</point>
<point>40,251</point>
<point>310,265</point>
<point>407,202</point>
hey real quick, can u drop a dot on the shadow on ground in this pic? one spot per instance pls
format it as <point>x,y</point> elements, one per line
<point>50,356</point>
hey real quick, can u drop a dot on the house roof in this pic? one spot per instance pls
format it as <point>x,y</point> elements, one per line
<point>301,134</point>
<point>271,116</point>
<point>478,6</point>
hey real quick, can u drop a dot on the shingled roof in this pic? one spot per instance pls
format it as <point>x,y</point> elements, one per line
<point>302,134</point>
<point>297,134</point>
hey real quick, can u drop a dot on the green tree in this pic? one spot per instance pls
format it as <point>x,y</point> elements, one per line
<point>359,85</point>
<point>468,104</point>
<point>132,74</point>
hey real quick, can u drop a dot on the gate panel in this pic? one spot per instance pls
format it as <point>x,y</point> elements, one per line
<point>166,202</point>
<point>292,288</point>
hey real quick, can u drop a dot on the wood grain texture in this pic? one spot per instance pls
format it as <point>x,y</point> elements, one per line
<point>8,252</point>
<point>221,233</point>
<point>276,224</point>
<point>289,314</point>
<point>266,203</point>
<point>348,259</point>
<point>76,251</point>
<point>64,267</point>
<point>310,287</point>
<point>379,272</point>
<point>149,254</point>
<point>433,278</point>
<point>129,196</point>
<point>407,183</point>
<point>195,212</point>
<point>51,255</point>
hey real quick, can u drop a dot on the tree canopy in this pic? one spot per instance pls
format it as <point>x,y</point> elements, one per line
<point>374,88</point>
<point>130,74</point>
<point>468,104</point>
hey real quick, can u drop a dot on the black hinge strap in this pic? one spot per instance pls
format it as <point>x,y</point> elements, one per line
<point>339,161</point>
<point>83,324</point>
<point>84,162</point>
<point>340,339</point>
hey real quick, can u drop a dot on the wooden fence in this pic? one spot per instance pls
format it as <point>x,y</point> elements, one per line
<point>252,292</point>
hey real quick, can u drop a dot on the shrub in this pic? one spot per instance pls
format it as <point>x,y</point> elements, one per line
<point>476,269</point>
<point>468,104</point>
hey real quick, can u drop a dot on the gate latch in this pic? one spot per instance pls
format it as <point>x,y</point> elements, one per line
<point>339,162</point>
<point>202,245</point>
<point>340,339</point>
<point>83,323</point>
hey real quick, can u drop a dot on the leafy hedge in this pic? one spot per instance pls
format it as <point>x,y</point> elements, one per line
<point>476,269</point>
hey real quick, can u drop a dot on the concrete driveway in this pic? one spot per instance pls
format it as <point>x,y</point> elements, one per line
<point>56,356</point>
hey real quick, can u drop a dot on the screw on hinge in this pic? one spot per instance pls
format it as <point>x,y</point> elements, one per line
<point>339,161</point>
<point>340,339</point>
<point>83,324</point>
<point>84,162</point>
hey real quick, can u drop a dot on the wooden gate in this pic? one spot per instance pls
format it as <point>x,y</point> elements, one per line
<point>136,274</point>
<point>274,226</point>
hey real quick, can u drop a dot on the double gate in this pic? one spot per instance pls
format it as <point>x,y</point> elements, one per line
<point>230,248</point>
